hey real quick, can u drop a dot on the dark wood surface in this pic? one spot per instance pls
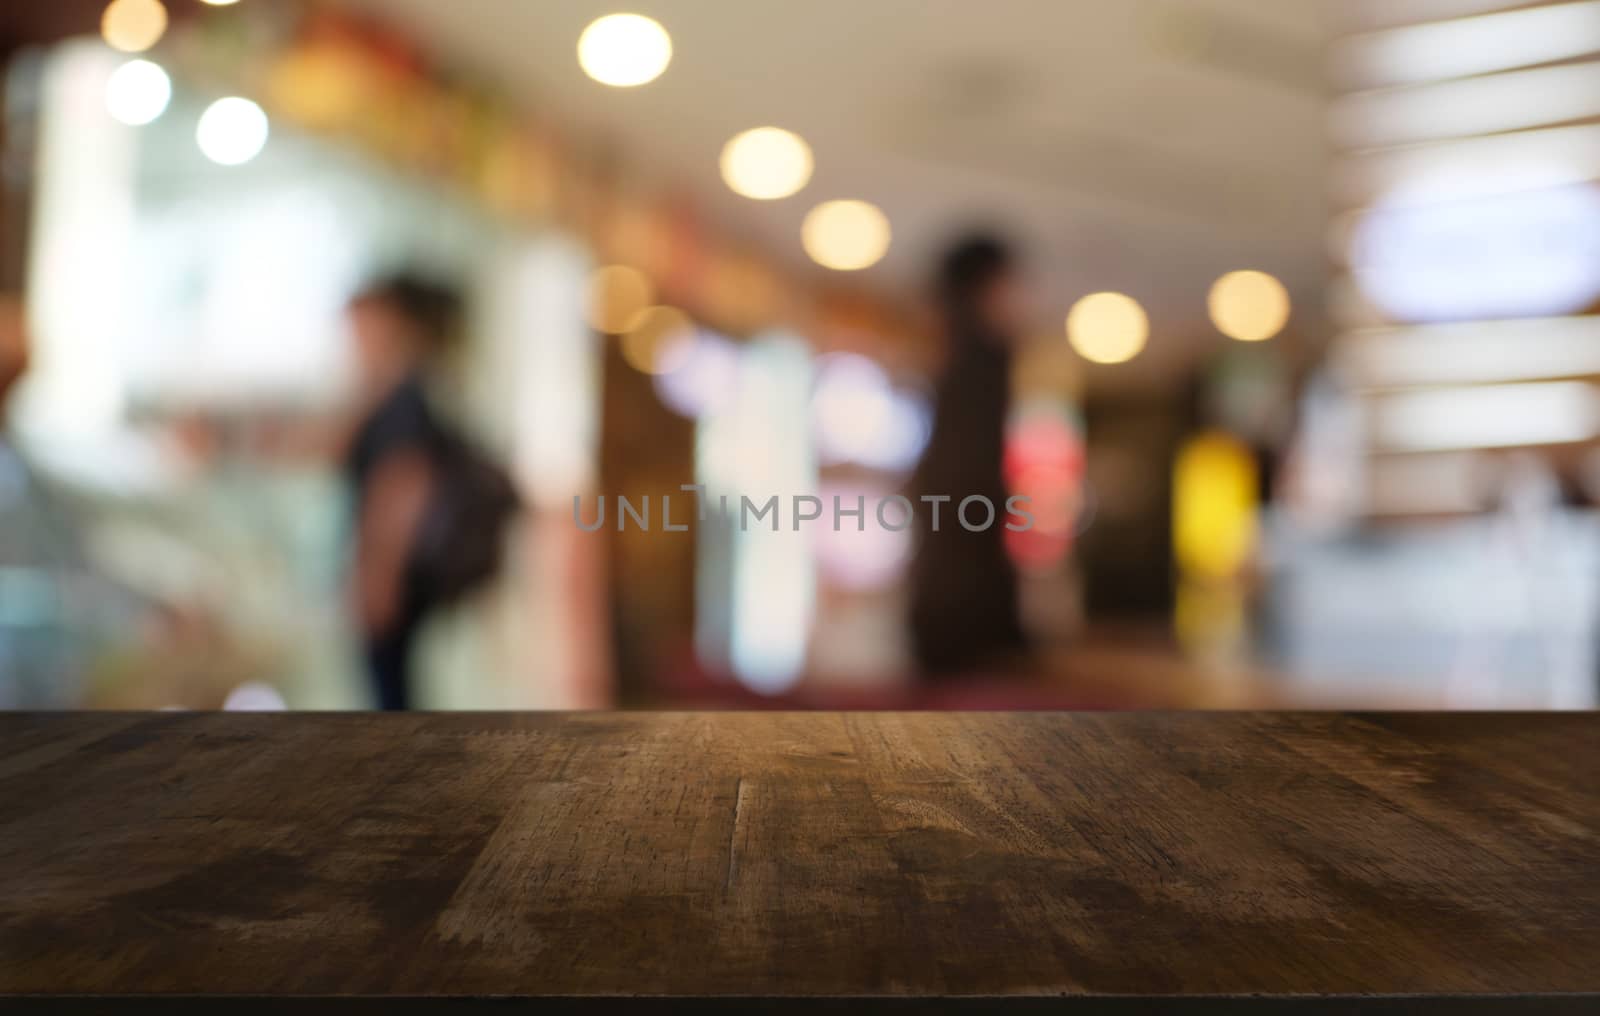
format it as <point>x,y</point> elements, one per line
<point>804,855</point>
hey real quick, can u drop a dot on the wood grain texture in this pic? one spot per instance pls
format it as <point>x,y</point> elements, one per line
<point>775,855</point>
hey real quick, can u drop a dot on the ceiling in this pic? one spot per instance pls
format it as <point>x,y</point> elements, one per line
<point>1142,145</point>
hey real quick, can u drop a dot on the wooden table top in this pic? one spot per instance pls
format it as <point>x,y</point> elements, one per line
<point>800,855</point>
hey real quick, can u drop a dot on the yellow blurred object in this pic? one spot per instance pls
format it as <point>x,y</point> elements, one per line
<point>846,236</point>
<point>1215,490</point>
<point>133,26</point>
<point>658,340</point>
<point>766,163</point>
<point>1249,306</point>
<point>1108,328</point>
<point>1215,494</point>
<point>516,175</point>
<point>1209,619</point>
<point>617,295</point>
<point>322,87</point>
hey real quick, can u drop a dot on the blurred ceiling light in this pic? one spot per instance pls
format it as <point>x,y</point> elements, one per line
<point>220,3</point>
<point>624,50</point>
<point>133,26</point>
<point>1514,100</point>
<point>1502,41</point>
<point>1107,328</point>
<point>618,294</point>
<point>1474,352</point>
<point>1249,306</point>
<point>706,380</point>
<point>232,131</point>
<point>1487,416</point>
<point>845,235</point>
<point>138,92</point>
<point>658,340</point>
<point>766,163</point>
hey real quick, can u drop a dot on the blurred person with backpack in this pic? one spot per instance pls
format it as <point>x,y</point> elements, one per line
<point>431,511</point>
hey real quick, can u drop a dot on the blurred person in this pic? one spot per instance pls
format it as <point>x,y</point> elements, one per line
<point>430,512</point>
<point>965,612</point>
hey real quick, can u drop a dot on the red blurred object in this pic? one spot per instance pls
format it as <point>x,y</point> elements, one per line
<point>1044,462</point>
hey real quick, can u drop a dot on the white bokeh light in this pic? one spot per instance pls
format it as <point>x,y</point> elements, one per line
<point>138,92</point>
<point>1108,328</point>
<point>846,236</point>
<point>255,697</point>
<point>705,379</point>
<point>232,131</point>
<point>624,50</point>
<point>866,559</point>
<point>766,163</point>
<point>859,416</point>
<point>1528,254</point>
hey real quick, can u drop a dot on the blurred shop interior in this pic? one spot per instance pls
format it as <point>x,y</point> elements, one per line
<point>1303,385</point>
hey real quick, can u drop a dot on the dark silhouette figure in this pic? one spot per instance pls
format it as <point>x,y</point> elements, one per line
<point>431,511</point>
<point>964,603</point>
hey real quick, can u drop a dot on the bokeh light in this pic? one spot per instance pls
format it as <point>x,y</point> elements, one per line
<point>618,294</point>
<point>859,416</point>
<point>851,405</point>
<point>846,236</point>
<point>1499,256</point>
<point>232,131</point>
<point>766,163</point>
<point>138,92</point>
<point>658,340</point>
<point>255,697</point>
<point>1107,328</point>
<point>705,379</point>
<point>133,26</point>
<point>1215,488</point>
<point>867,559</point>
<point>1044,462</point>
<point>624,50</point>
<point>1249,306</point>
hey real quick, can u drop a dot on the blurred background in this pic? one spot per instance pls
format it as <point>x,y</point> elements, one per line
<point>1299,343</point>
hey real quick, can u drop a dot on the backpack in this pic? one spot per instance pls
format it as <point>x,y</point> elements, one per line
<point>461,542</point>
